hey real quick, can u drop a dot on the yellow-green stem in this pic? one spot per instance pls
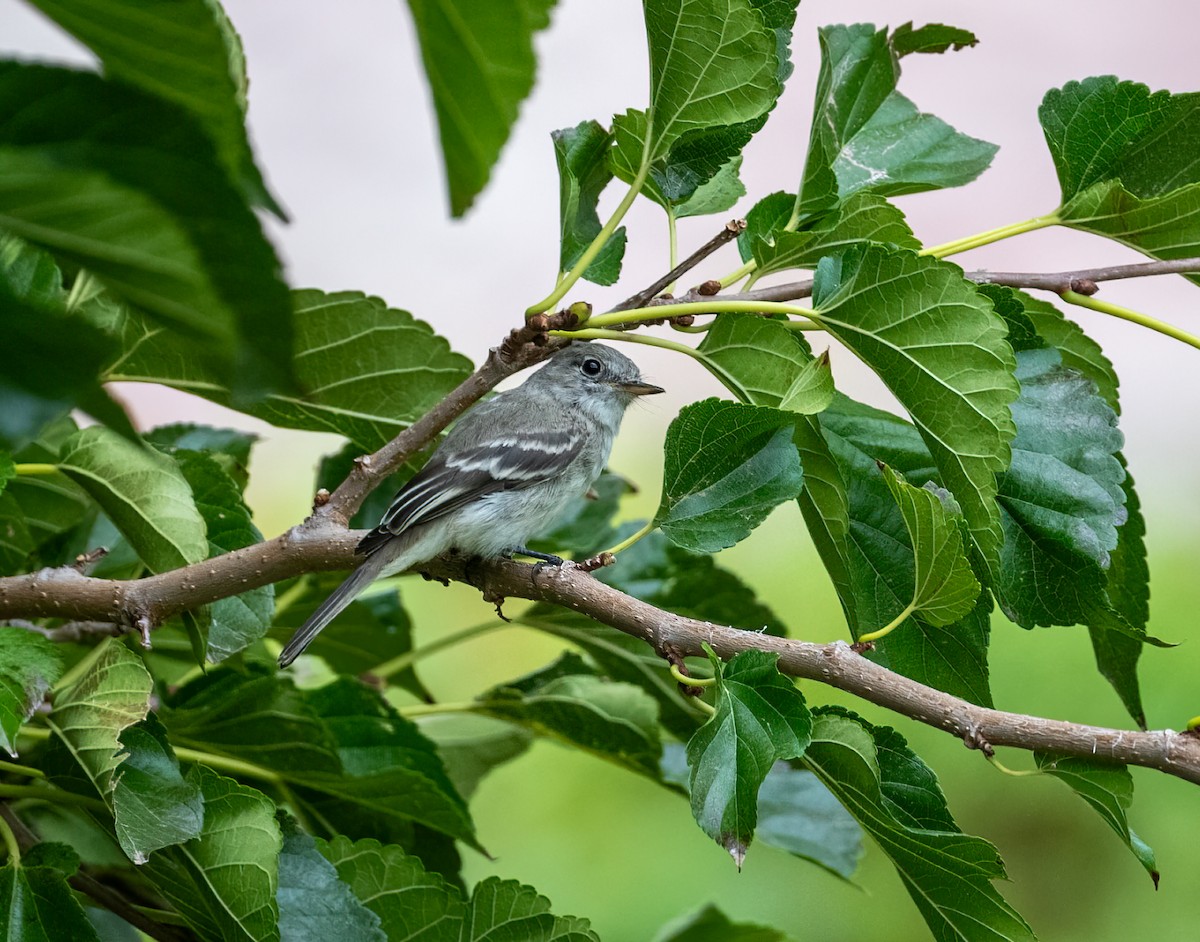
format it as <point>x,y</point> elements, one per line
<point>735,276</point>
<point>1145,320</point>
<point>31,469</point>
<point>13,769</point>
<point>433,709</point>
<point>691,681</point>
<point>229,764</point>
<point>10,843</point>
<point>45,793</point>
<point>1015,773</point>
<point>649,528</point>
<point>406,660</point>
<point>704,707</point>
<point>716,306</point>
<point>991,235</point>
<point>889,627</point>
<point>589,254</point>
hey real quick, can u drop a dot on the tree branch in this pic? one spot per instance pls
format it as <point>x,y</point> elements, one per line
<point>732,230</point>
<point>308,549</point>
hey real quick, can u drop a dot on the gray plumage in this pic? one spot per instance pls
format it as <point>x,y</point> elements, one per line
<point>504,473</point>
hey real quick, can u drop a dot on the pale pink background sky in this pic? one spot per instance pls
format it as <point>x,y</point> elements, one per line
<point>342,126</point>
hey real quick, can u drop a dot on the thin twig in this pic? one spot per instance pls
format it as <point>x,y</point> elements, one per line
<point>732,230</point>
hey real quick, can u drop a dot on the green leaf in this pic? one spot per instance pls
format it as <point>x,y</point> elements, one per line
<point>931,38</point>
<point>712,63</point>
<point>224,882</point>
<point>583,172</point>
<point>1062,499</point>
<point>153,805</point>
<point>709,924</point>
<point>230,624</point>
<point>861,217</point>
<point>873,555</point>
<point>1123,159</point>
<point>16,542</point>
<point>796,813</point>
<point>314,904</point>
<point>43,506</point>
<point>144,493</point>
<point>415,905</point>
<point>945,588</point>
<point>8,470</point>
<point>472,746</point>
<point>940,348</point>
<point>61,857</point>
<point>229,447</point>
<point>947,873</point>
<point>480,63</point>
<point>726,466</point>
<point>1108,789</point>
<point>29,665</point>
<point>410,902</point>
<point>761,717</point>
<point>37,905</point>
<point>771,213</point>
<point>757,359</point>
<point>613,720</point>
<point>866,135</point>
<point>199,76</point>
<point>127,166</point>
<point>812,389</point>
<point>89,717</point>
<point>365,370</point>
<point>719,194</point>
<point>61,355</point>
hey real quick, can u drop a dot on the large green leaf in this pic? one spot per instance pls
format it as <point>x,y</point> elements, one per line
<point>143,491</point>
<point>108,177</point>
<point>947,873</point>
<point>89,717</point>
<point>314,904</point>
<point>29,664</point>
<point>365,370</point>
<point>761,717</point>
<point>613,720</point>
<point>224,882</point>
<point>154,806</point>
<point>716,70</point>
<point>60,355</point>
<point>500,910</point>
<point>1125,164</point>
<point>757,359</point>
<point>229,447</point>
<point>1108,790</point>
<point>931,38</point>
<point>583,173</point>
<point>866,135</point>
<point>944,587</point>
<point>480,64</point>
<point>37,905</point>
<point>875,556</point>
<point>937,344</point>
<point>233,623</point>
<point>205,73</point>
<point>726,466</point>
<point>44,506</point>
<point>472,746</point>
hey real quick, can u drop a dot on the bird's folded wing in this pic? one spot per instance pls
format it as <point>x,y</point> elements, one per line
<point>449,482</point>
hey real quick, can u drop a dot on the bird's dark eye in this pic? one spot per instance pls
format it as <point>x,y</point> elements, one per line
<point>591,367</point>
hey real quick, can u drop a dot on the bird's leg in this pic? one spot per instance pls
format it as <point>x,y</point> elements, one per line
<point>545,559</point>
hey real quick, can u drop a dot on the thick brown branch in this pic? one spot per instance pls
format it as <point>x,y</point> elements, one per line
<point>307,549</point>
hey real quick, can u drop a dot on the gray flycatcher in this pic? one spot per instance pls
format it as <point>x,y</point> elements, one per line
<point>504,473</point>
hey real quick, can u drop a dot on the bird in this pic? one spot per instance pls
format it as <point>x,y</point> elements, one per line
<point>503,474</point>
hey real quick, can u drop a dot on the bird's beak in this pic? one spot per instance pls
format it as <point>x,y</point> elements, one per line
<point>639,389</point>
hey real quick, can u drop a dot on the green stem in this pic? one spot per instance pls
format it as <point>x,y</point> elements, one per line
<point>704,707</point>
<point>991,235</point>
<point>627,337</point>
<point>10,843</point>
<point>1000,766</point>
<point>630,540</point>
<point>735,276</point>
<point>31,469</point>
<point>1145,320</point>
<point>229,764</point>
<point>890,626</point>
<point>716,306</point>
<point>673,246</point>
<point>589,254</point>
<point>433,709</point>
<point>689,681</point>
<point>406,660</point>
<point>13,769</point>
<point>45,793</point>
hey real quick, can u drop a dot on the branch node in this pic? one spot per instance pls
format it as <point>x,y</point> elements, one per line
<point>1084,286</point>
<point>673,656</point>
<point>709,288</point>
<point>599,561</point>
<point>321,498</point>
<point>862,647</point>
<point>84,560</point>
<point>973,738</point>
<point>143,626</point>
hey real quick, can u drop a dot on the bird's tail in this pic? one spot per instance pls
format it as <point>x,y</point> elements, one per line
<point>328,610</point>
